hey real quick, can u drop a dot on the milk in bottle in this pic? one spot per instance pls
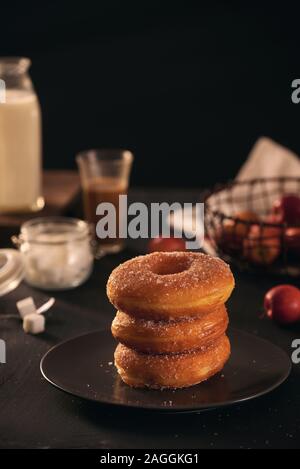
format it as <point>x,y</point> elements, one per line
<point>20,140</point>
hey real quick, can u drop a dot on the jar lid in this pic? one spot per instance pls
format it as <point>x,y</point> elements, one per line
<point>11,270</point>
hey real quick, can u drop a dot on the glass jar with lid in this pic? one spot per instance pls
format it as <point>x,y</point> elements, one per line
<point>56,252</point>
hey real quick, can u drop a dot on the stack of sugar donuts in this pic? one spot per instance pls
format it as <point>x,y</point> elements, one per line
<point>171,319</point>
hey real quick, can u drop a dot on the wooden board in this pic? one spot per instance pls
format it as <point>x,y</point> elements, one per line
<point>61,189</point>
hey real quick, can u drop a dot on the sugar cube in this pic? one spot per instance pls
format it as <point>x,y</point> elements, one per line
<point>26,306</point>
<point>34,323</point>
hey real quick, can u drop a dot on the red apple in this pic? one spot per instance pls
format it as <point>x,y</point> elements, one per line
<point>270,293</point>
<point>262,245</point>
<point>233,232</point>
<point>273,219</point>
<point>166,244</point>
<point>282,303</point>
<point>288,209</point>
<point>292,240</point>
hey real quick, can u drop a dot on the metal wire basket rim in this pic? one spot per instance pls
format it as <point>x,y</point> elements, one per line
<point>246,182</point>
<point>252,222</point>
<point>236,182</point>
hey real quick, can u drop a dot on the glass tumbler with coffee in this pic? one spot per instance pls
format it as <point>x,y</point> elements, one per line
<point>104,177</point>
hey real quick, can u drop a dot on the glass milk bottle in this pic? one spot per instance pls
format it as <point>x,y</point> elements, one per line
<point>20,139</point>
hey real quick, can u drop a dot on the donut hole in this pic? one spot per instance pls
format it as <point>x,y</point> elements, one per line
<point>171,266</point>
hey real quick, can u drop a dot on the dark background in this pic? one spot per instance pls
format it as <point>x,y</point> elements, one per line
<point>188,88</point>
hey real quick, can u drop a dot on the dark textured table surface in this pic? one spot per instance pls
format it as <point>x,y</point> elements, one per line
<point>34,414</point>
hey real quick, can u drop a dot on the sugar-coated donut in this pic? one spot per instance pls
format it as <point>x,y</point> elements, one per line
<point>159,337</point>
<point>171,370</point>
<point>170,285</point>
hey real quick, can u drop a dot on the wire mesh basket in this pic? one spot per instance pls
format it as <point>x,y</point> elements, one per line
<point>244,228</point>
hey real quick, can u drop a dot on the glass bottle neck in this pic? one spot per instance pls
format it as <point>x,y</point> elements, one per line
<point>14,72</point>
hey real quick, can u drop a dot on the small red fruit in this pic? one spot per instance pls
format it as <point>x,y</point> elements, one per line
<point>292,240</point>
<point>262,245</point>
<point>282,303</point>
<point>270,293</point>
<point>288,209</point>
<point>166,244</point>
<point>232,233</point>
<point>273,218</point>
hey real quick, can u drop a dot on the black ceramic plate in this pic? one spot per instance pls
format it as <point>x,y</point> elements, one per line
<point>83,366</point>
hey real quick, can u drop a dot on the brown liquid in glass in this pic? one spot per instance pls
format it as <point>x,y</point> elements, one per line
<point>103,189</point>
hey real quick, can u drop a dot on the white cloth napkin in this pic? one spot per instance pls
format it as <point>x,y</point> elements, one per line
<point>269,159</point>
